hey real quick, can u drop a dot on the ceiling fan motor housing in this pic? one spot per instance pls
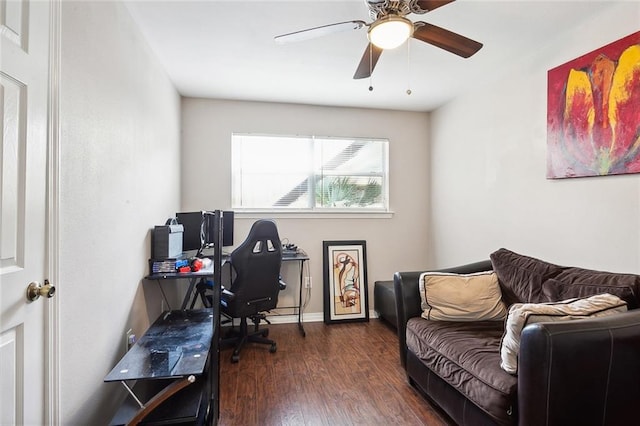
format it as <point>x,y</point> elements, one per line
<point>379,8</point>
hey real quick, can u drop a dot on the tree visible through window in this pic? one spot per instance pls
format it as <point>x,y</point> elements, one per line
<point>309,173</point>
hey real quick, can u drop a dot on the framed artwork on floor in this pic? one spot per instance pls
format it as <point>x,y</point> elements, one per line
<point>345,281</point>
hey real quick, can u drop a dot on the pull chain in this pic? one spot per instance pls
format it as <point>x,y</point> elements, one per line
<point>370,67</point>
<point>408,68</point>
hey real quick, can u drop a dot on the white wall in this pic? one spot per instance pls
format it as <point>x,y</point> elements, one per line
<point>120,166</point>
<point>120,120</point>
<point>396,243</point>
<point>489,165</point>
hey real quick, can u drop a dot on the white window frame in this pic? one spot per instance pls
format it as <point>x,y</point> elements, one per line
<point>384,210</point>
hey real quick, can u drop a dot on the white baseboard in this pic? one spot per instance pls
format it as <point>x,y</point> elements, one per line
<point>307,317</point>
<point>290,319</point>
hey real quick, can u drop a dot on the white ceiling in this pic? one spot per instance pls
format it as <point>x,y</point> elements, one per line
<point>225,49</point>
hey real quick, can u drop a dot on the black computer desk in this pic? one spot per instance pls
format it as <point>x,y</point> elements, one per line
<point>181,348</point>
<point>194,277</point>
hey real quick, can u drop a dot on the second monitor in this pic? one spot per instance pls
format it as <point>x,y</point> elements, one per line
<point>227,228</point>
<point>198,229</point>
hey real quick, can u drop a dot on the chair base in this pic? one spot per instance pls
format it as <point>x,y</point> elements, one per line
<point>258,335</point>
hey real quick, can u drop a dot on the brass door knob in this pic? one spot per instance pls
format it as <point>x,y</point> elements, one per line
<point>35,290</point>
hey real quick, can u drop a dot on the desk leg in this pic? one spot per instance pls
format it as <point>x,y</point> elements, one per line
<point>158,399</point>
<point>300,327</point>
<point>164,296</point>
<point>185,301</point>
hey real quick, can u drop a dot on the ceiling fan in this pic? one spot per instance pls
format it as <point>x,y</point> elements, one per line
<point>390,29</point>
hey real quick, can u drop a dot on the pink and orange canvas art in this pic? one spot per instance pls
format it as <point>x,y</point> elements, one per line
<point>593,112</point>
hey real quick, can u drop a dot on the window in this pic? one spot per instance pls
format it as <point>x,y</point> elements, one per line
<point>294,173</point>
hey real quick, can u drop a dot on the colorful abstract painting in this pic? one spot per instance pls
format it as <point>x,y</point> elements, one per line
<point>593,113</point>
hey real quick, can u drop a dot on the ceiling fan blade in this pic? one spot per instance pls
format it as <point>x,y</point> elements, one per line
<point>445,39</point>
<point>368,62</point>
<point>319,31</point>
<point>428,5</point>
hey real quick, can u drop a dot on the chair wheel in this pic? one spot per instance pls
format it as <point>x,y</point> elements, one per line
<point>273,348</point>
<point>265,332</point>
<point>235,358</point>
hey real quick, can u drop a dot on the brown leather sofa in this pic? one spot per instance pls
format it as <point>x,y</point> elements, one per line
<point>384,302</point>
<point>580,372</point>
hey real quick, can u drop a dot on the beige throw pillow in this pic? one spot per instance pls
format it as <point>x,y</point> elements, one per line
<point>523,314</point>
<point>456,297</point>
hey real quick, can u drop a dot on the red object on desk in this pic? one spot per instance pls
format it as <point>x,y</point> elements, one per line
<point>196,265</point>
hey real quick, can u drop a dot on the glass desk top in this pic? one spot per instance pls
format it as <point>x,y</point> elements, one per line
<point>177,344</point>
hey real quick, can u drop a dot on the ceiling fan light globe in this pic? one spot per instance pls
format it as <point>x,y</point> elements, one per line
<point>390,32</point>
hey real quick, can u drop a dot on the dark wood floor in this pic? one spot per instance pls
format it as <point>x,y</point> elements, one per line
<point>339,374</point>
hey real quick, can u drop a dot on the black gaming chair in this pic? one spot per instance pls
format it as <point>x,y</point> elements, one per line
<point>256,263</point>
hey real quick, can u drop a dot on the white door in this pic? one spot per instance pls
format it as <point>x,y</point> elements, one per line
<point>24,87</point>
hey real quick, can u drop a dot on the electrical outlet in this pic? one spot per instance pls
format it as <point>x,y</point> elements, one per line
<point>307,282</point>
<point>129,339</point>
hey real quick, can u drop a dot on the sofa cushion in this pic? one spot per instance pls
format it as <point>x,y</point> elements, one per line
<point>521,277</point>
<point>523,314</point>
<point>578,282</point>
<point>461,297</point>
<point>466,355</point>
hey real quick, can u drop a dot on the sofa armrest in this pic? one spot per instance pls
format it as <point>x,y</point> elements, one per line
<point>580,372</point>
<point>407,290</point>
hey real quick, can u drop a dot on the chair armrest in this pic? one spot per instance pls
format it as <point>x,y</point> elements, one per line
<point>580,372</point>
<point>407,290</point>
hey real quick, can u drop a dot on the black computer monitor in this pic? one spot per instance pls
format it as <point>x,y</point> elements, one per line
<point>193,235</point>
<point>227,228</point>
